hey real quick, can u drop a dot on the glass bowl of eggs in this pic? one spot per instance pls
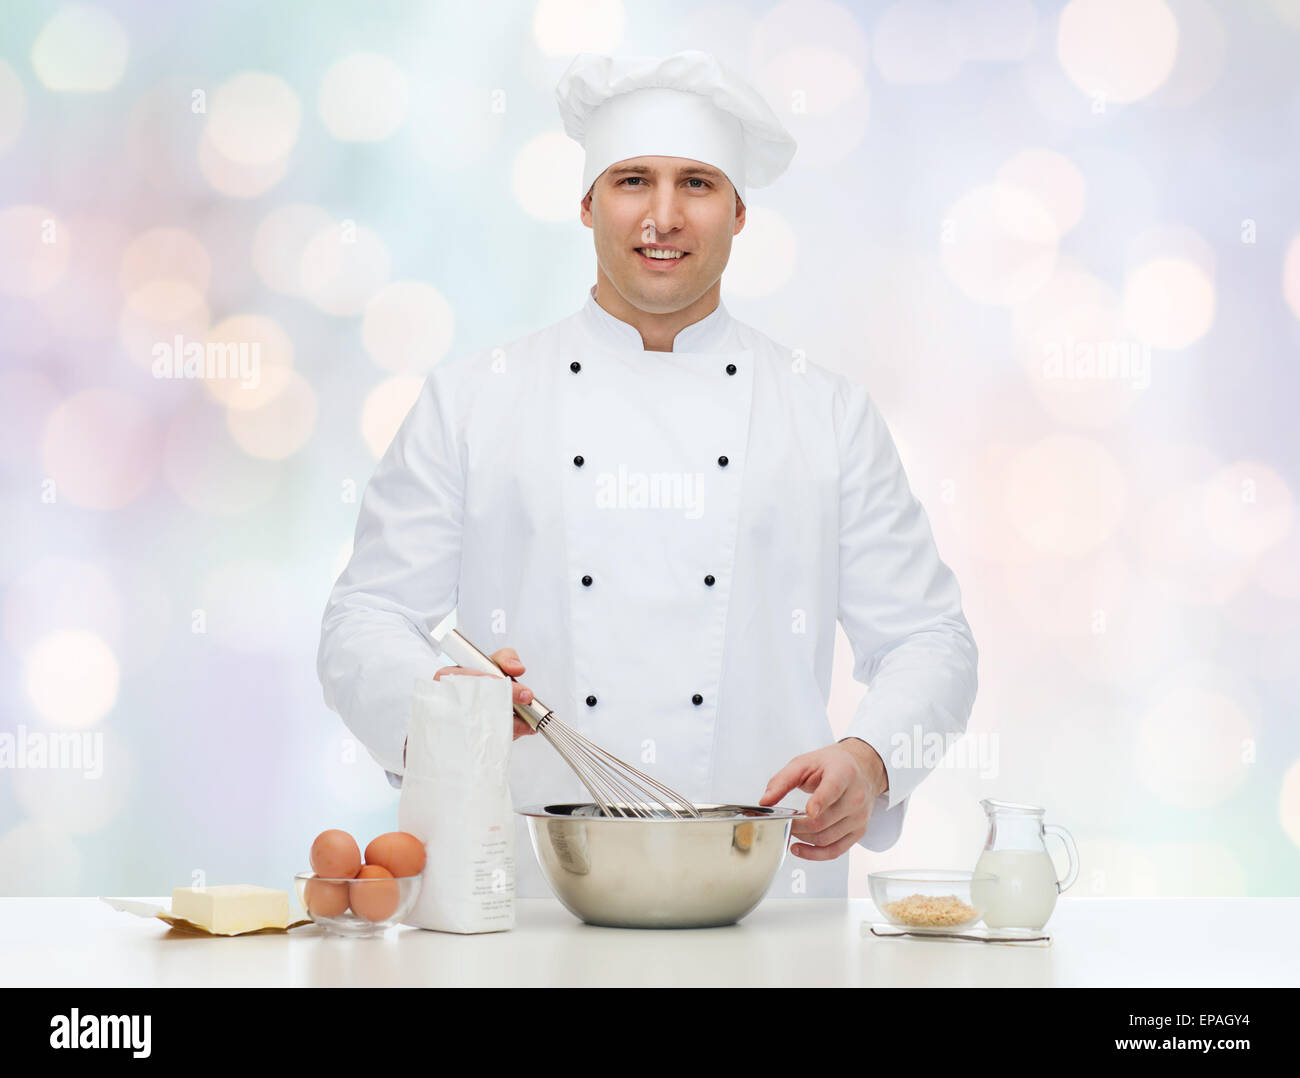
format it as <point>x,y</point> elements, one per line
<point>349,896</point>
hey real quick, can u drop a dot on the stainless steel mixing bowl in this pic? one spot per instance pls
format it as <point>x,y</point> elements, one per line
<point>663,872</point>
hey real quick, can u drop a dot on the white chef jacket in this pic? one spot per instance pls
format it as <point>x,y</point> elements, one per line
<point>667,540</point>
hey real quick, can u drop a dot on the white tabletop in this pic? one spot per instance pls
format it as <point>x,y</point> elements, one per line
<point>811,942</point>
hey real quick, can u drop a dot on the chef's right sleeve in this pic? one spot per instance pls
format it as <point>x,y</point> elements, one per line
<point>401,579</point>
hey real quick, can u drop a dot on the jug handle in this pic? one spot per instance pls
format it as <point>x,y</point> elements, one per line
<point>1071,850</point>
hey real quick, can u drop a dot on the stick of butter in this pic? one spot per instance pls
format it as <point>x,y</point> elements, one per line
<point>229,909</point>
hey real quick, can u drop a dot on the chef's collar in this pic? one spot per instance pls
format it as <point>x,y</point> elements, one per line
<point>709,334</point>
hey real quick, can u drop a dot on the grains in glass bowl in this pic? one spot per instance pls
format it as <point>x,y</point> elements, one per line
<point>931,911</point>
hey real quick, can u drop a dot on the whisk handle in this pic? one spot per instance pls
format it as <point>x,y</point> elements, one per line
<point>470,657</point>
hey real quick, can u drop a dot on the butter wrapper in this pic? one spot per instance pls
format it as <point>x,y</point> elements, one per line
<point>150,909</point>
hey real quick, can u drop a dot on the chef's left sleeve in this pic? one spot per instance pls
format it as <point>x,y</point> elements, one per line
<point>900,607</point>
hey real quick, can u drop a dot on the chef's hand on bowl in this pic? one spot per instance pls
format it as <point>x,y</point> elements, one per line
<point>508,660</point>
<point>844,780</point>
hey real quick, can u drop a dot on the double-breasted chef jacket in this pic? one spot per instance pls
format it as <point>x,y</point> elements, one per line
<point>667,540</point>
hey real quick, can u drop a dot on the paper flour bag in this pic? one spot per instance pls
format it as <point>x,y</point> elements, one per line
<point>456,800</point>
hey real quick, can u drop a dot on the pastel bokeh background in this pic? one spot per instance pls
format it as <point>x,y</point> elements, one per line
<point>1060,243</point>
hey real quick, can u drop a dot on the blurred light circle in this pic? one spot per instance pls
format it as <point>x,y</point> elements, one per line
<point>1269,657</point>
<point>915,43</point>
<point>160,142</point>
<point>561,27</point>
<point>1111,868</point>
<point>408,326</point>
<point>999,244</point>
<point>206,468</point>
<point>72,678</point>
<point>978,509</point>
<point>253,119</point>
<point>763,256</point>
<point>1202,44</point>
<point>1252,615</point>
<point>36,860</point>
<point>1167,239</point>
<point>994,31</point>
<point>1291,277</point>
<point>1181,558</point>
<point>57,593</point>
<point>248,606</point>
<point>547,177</point>
<point>342,267</point>
<point>1197,869</point>
<point>279,428</point>
<point>147,622</point>
<point>363,98</point>
<point>1121,49</point>
<point>454,122</point>
<point>1065,494</point>
<point>832,98</point>
<point>384,409</point>
<point>169,253</point>
<point>86,793</point>
<point>1289,802</point>
<point>281,239</point>
<point>1169,302</point>
<point>1058,599</point>
<point>1053,179</point>
<point>903,296</point>
<point>1123,629</point>
<point>1084,364</point>
<point>61,593</point>
<point>82,49</point>
<point>100,449</point>
<point>1050,314</point>
<point>13,106</point>
<point>1277,569</point>
<point>248,360</point>
<point>798,22</point>
<point>829,81</point>
<point>34,250</point>
<point>1189,748</point>
<point>155,315</point>
<point>27,397</point>
<point>238,179</point>
<point>86,306</point>
<point>723,28</point>
<point>1248,507</point>
<point>1051,93</point>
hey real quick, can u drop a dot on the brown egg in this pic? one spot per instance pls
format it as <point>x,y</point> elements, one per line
<point>325,899</point>
<point>335,855</point>
<point>401,853</point>
<point>374,893</point>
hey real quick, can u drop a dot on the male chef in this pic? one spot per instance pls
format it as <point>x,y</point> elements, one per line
<point>663,512</point>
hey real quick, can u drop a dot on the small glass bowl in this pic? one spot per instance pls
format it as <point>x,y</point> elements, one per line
<point>936,899</point>
<point>389,900</point>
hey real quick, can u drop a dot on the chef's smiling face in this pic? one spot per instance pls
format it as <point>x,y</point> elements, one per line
<point>671,203</point>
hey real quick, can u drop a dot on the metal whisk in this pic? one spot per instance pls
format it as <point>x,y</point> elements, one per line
<point>617,787</point>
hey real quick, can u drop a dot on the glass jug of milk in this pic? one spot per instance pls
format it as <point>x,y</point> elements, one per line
<point>1024,893</point>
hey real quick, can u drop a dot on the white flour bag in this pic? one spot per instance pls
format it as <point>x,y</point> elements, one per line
<point>456,800</point>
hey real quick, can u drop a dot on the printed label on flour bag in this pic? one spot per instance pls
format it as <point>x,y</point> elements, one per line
<point>456,800</point>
